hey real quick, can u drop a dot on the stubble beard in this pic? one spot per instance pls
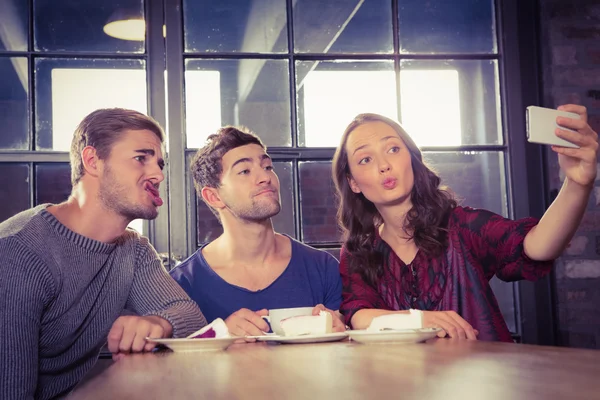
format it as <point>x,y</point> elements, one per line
<point>257,211</point>
<point>114,197</point>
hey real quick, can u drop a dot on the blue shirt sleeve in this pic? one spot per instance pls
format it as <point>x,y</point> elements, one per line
<point>333,284</point>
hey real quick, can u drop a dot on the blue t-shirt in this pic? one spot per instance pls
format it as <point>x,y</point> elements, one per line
<point>312,277</point>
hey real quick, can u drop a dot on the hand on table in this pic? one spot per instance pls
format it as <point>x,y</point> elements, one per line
<point>128,334</point>
<point>338,325</point>
<point>246,322</point>
<point>452,324</point>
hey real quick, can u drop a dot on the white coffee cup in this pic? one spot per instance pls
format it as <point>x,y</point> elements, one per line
<point>275,316</point>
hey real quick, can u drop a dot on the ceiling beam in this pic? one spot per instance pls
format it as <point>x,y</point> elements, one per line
<point>13,34</point>
<point>266,29</point>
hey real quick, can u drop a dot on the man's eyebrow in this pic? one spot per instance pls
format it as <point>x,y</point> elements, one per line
<point>241,160</point>
<point>149,152</point>
<point>248,159</point>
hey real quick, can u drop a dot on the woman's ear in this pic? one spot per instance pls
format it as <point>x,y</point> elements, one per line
<point>353,186</point>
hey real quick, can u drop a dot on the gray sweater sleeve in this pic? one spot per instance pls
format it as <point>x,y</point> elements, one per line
<point>26,288</point>
<point>154,292</point>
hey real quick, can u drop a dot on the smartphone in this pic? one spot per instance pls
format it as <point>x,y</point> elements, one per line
<point>541,124</point>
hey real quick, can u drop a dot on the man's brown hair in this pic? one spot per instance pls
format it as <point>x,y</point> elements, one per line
<point>101,129</point>
<point>206,166</point>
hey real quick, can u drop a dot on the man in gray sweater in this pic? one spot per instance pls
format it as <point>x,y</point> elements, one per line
<point>68,271</point>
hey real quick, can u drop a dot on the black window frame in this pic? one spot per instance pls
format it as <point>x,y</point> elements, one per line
<point>518,33</point>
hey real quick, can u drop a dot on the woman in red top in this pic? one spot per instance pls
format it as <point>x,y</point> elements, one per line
<point>408,245</point>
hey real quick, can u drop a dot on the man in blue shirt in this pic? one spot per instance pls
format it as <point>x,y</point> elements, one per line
<point>250,268</point>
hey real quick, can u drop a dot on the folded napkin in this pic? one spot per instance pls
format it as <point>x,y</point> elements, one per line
<point>216,329</point>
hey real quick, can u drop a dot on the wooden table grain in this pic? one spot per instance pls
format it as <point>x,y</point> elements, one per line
<point>439,369</point>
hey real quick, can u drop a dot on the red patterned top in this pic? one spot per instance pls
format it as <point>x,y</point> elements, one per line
<point>481,244</point>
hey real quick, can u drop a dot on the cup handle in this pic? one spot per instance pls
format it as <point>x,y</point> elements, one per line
<point>268,319</point>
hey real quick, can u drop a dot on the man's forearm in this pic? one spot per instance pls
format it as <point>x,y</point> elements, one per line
<point>183,317</point>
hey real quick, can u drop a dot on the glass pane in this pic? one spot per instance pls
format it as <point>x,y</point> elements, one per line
<point>451,103</point>
<point>15,25</point>
<point>343,26</point>
<point>15,200</point>
<point>284,221</point>
<point>253,93</point>
<point>442,26</point>
<point>68,90</point>
<point>332,93</point>
<point>209,228</point>
<point>318,203</point>
<point>137,225</point>
<point>52,183</point>
<point>476,178</point>
<point>89,25</point>
<point>14,89</point>
<point>251,26</point>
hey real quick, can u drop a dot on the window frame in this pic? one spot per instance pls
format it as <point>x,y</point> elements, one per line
<point>532,318</point>
<point>174,231</point>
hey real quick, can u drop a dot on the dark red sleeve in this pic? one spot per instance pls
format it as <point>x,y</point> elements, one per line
<point>356,294</point>
<point>497,243</point>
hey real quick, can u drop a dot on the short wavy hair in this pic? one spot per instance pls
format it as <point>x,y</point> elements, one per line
<point>101,129</point>
<point>207,166</point>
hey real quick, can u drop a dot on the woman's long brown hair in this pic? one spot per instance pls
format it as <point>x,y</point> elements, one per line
<point>358,217</point>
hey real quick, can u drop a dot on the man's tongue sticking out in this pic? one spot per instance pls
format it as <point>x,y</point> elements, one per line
<point>153,192</point>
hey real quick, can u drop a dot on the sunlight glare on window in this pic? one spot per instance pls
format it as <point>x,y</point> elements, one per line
<point>202,105</point>
<point>137,225</point>
<point>76,92</point>
<point>333,98</point>
<point>430,106</point>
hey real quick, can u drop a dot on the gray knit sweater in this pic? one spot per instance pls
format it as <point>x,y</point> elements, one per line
<point>60,293</point>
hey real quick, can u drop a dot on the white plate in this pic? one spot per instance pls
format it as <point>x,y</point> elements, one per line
<point>388,336</point>
<point>327,337</point>
<point>189,345</point>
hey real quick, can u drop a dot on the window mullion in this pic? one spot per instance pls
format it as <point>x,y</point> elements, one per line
<point>179,226</point>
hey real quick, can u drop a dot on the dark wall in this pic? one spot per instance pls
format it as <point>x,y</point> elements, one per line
<point>570,48</point>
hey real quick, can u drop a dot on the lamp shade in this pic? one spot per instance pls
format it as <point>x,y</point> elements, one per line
<point>126,25</point>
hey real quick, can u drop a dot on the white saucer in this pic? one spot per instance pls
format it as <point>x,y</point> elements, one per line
<point>190,345</point>
<point>390,336</point>
<point>327,337</point>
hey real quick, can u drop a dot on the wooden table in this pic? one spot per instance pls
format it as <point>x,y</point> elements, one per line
<point>440,369</point>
